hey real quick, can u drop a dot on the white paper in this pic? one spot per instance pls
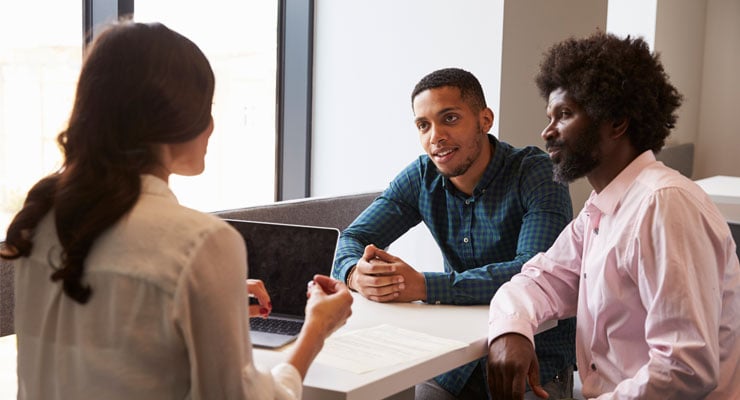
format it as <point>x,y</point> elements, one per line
<point>365,350</point>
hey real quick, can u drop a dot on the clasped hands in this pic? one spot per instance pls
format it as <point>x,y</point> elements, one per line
<point>383,277</point>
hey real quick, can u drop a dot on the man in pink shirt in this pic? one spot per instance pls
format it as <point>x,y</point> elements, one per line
<point>648,267</point>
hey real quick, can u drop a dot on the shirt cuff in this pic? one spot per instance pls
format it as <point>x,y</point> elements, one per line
<point>438,288</point>
<point>289,379</point>
<point>501,324</point>
<point>342,272</point>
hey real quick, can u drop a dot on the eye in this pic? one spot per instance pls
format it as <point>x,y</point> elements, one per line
<point>422,126</point>
<point>451,118</point>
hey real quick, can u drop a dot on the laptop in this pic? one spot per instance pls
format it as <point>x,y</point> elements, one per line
<point>285,257</point>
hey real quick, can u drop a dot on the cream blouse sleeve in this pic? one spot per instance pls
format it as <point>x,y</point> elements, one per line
<point>211,310</point>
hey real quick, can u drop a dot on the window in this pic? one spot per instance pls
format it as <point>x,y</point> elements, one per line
<point>40,60</point>
<point>240,41</point>
<point>39,67</point>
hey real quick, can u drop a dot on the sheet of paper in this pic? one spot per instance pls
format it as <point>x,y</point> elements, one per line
<point>365,350</point>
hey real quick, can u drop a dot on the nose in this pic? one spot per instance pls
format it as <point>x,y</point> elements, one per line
<point>437,134</point>
<point>549,131</point>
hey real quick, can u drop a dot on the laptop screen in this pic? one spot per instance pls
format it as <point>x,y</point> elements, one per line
<point>286,257</point>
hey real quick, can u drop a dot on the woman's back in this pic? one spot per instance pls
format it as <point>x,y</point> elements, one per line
<point>149,277</point>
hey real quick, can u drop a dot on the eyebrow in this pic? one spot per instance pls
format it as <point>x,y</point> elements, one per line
<point>438,113</point>
<point>555,104</point>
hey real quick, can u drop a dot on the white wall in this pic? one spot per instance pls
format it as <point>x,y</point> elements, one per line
<point>679,40</point>
<point>718,137</point>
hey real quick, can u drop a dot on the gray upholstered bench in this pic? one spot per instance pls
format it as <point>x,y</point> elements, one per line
<point>337,212</point>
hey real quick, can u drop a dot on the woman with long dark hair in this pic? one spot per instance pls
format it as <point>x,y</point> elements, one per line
<point>120,291</point>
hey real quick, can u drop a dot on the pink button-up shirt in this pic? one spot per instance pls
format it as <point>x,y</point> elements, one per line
<point>650,270</point>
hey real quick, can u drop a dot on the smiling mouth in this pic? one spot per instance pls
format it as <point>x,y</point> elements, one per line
<point>444,155</point>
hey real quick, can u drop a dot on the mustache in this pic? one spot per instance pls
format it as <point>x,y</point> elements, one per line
<point>553,143</point>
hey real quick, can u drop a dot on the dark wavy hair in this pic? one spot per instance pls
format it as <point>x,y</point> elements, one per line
<point>614,78</point>
<point>140,85</point>
<point>470,89</point>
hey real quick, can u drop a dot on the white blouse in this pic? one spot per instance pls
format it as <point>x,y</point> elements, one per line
<point>168,317</point>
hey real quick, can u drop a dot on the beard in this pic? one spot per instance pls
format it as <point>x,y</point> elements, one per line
<point>476,148</point>
<point>579,158</point>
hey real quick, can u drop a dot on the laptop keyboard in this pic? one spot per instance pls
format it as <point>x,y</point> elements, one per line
<point>280,326</point>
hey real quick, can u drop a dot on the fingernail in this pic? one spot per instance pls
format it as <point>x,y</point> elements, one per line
<point>264,310</point>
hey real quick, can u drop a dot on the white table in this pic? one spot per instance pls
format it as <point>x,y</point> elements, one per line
<point>468,324</point>
<point>721,188</point>
<point>725,193</point>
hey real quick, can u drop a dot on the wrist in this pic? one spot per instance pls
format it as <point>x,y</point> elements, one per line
<point>350,274</point>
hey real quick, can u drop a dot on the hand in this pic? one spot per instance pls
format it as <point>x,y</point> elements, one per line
<point>381,276</point>
<point>328,307</point>
<point>256,289</point>
<point>512,362</point>
<point>329,304</point>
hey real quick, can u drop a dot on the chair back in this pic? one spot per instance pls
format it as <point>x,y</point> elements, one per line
<point>7,297</point>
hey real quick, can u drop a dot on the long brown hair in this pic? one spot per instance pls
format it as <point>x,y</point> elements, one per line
<point>140,85</point>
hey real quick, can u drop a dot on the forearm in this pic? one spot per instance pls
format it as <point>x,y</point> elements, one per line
<point>474,286</point>
<point>307,347</point>
<point>349,252</point>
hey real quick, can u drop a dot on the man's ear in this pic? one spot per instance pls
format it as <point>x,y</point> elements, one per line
<point>486,119</point>
<point>619,127</point>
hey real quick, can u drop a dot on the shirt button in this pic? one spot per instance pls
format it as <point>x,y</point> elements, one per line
<point>466,240</point>
<point>467,202</point>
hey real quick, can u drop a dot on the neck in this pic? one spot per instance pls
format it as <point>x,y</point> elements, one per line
<point>466,182</point>
<point>600,177</point>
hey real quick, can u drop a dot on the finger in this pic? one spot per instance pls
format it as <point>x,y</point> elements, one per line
<point>384,298</point>
<point>257,289</point>
<point>540,392</point>
<point>314,289</point>
<point>369,252</point>
<point>518,386</point>
<point>384,255</point>
<point>256,310</point>
<point>328,284</point>
<point>379,267</point>
<point>534,380</point>
<point>381,281</point>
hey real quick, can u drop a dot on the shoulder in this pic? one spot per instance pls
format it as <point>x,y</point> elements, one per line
<point>526,157</point>
<point>659,181</point>
<point>530,165</point>
<point>157,241</point>
<point>421,172</point>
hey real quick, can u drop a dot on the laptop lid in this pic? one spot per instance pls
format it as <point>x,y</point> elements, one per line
<point>286,257</point>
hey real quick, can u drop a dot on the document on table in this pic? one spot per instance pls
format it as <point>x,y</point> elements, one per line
<point>365,350</point>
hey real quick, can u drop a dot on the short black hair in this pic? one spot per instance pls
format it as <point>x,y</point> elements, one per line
<point>470,89</point>
<point>614,78</point>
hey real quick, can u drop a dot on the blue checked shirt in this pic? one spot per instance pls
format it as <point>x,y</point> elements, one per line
<point>515,211</point>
